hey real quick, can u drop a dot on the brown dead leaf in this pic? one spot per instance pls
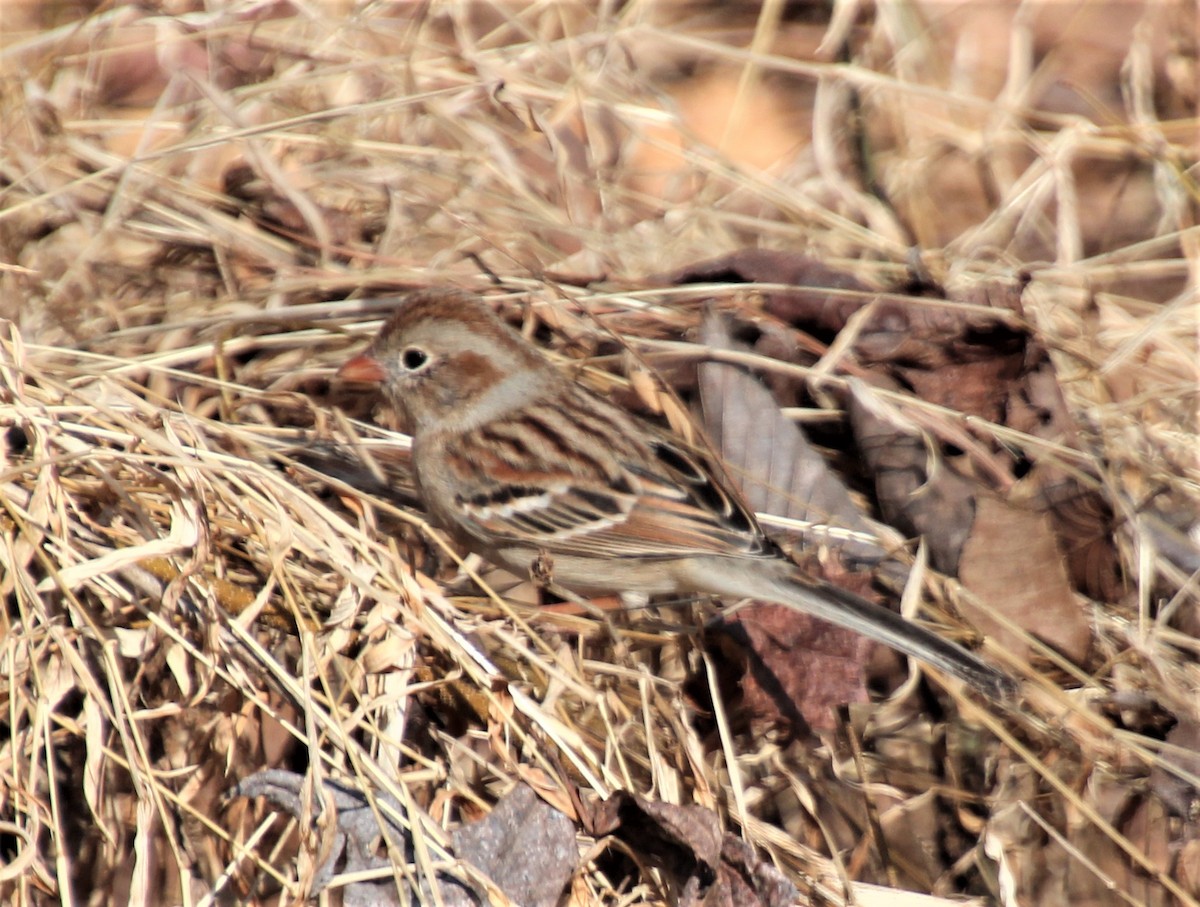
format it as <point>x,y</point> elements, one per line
<point>979,388</point>
<point>1014,840</point>
<point>899,328</point>
<point>706,865</point>
<point>1082,517</point>
<point>791,668</point>
<point>749,881</point>
<point>1183,755</point>
<point>964,357</point>
<point>1141,820</point>
<point>918,492</point>
<point>1008,555</point>
<point>908,827</point>
<point>523,846</point>
<point>1188,867</point>
<point>770,459</point>
<point>1085,526</point>
<point>1012,564</point>
<point>807,279</point>
<point>778,668</point>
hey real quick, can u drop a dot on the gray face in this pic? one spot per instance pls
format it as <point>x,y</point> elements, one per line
<point>450,361</point>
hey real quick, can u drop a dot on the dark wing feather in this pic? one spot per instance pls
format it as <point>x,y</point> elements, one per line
<point>625,489</point>
<point>550,514</point>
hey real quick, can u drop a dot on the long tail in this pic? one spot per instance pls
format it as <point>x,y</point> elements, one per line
<point>792,588</point>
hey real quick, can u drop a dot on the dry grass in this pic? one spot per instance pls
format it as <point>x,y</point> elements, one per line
<point>188,602</point>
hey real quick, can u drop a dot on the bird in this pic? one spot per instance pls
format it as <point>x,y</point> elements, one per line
<point>522,464</point>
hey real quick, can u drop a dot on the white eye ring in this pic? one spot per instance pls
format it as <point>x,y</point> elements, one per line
<point>413,358</point>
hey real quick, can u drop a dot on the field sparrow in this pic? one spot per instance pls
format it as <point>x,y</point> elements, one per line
<point>525,467</point>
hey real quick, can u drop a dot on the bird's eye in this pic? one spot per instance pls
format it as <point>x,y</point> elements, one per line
<point>414,358</point>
